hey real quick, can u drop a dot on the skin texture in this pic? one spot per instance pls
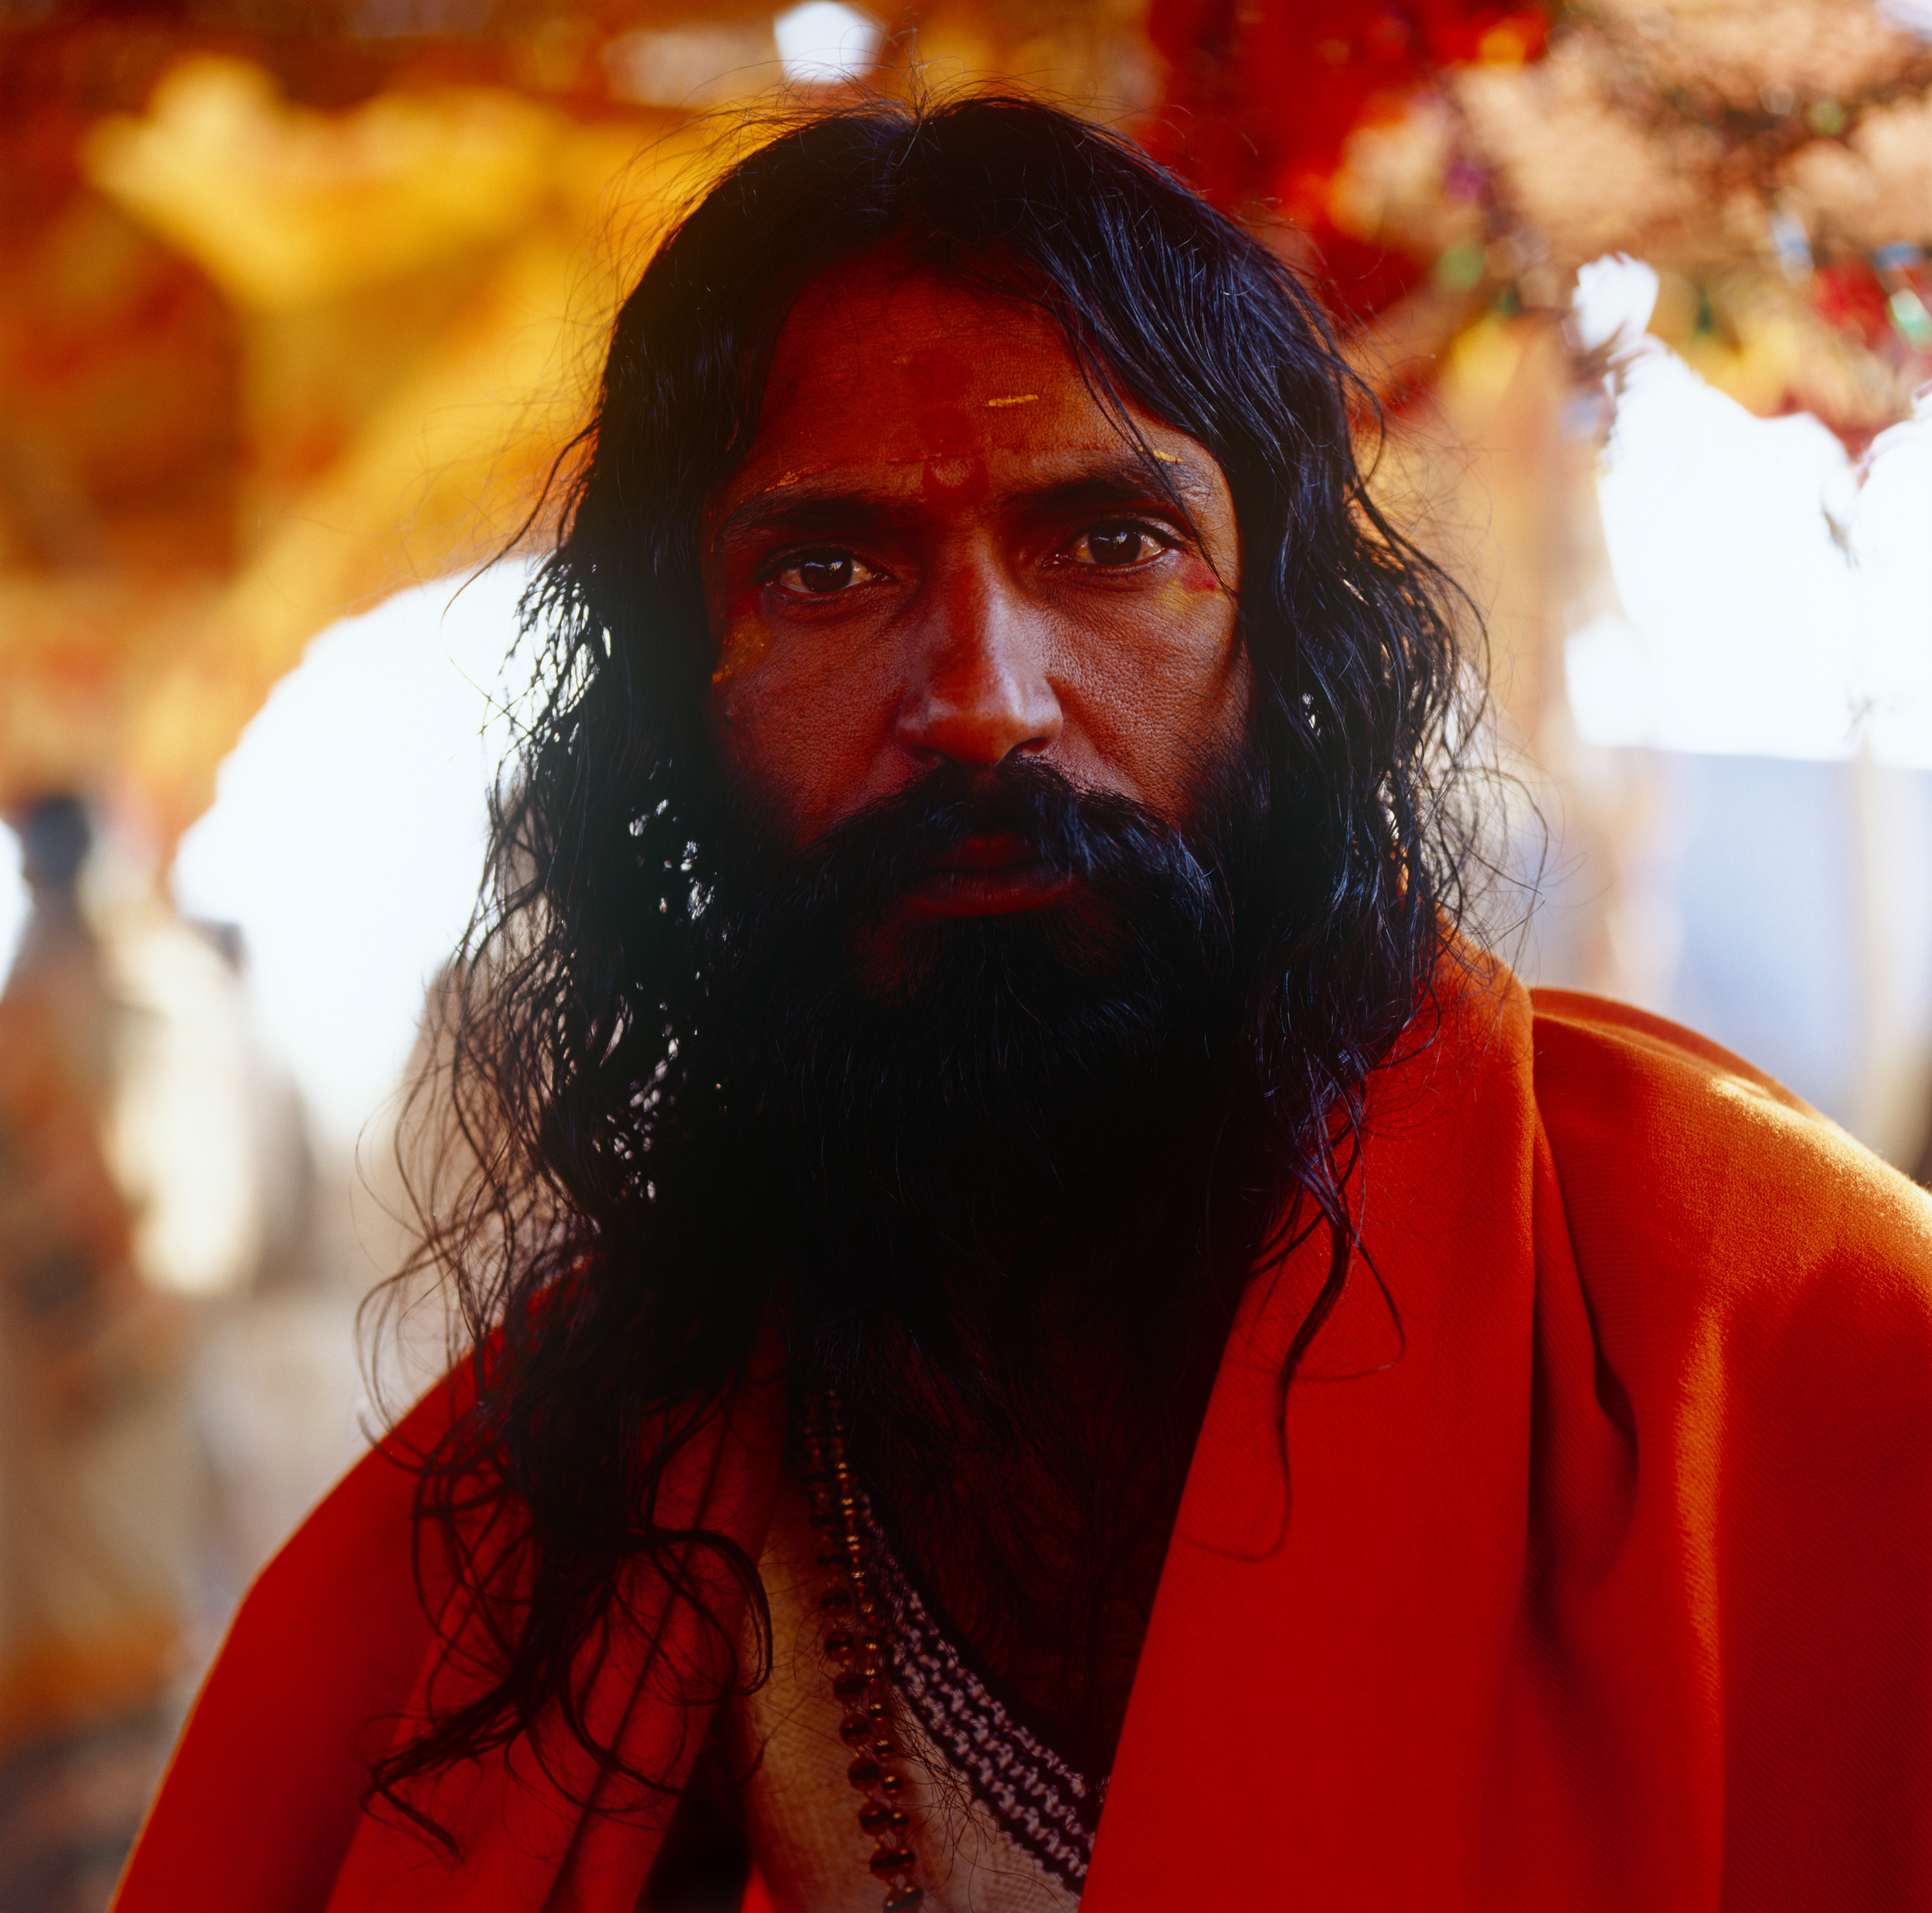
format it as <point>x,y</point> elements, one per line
<point>941,546</point>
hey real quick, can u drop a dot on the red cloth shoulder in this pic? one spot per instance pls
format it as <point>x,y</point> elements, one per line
<point>264,1793</point>
<point>1597,1572</point>
<point>332,1656</point>
<point>1760,1289</point>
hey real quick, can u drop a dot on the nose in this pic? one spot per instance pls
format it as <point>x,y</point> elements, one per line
<point>978,690</point>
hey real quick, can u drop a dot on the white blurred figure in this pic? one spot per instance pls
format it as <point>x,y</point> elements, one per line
<point>183,1135</point>
<point>154,1193</point>
<point>102,1488</point>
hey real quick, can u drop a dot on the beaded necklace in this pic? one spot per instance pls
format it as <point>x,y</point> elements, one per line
<point>858,1643</point>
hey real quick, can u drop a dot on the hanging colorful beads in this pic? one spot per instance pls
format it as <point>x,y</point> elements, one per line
<point>858,1642</point>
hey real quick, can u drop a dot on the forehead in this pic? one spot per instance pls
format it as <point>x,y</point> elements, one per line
<point>886,368</point>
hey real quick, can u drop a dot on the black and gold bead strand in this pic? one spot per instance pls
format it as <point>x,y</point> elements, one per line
<point>857,1642</point>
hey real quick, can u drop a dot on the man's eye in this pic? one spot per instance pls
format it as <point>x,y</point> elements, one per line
<point>823,574</point>
<point>1114,547</point>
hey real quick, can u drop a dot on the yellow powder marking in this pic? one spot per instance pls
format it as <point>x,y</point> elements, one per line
<point>1025,398</point>
<point>1165,457</point>
<point>744,644</point>
<point>793,477</point>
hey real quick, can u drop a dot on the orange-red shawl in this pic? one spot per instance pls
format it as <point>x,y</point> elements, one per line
<point>1606,1582</point>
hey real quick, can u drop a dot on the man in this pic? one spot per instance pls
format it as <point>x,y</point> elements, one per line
<point>1045,1330</point>
<point>102,1480</point>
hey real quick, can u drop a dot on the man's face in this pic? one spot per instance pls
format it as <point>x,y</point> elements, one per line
<point>981,701</point>
<point>941,551</point>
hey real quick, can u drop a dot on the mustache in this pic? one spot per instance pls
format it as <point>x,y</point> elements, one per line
<point>863,863</point>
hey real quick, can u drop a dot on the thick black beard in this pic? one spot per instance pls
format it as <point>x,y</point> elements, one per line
<point>960,1111</point>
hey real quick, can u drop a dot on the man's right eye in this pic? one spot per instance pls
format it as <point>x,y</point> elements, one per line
<point>822,574</point>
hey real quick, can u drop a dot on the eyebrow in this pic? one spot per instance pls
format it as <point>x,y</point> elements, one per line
<point>1123,481</point>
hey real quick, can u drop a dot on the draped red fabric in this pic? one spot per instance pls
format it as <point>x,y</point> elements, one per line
<point>332,1657</point>
<point>1599,1575</point>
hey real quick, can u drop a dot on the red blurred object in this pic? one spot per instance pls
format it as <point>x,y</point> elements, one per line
<point>1849,298</point>
<point>1260,100</point>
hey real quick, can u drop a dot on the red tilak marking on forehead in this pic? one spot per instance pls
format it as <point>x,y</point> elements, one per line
<point>946,432</point>
<point>969,487</point>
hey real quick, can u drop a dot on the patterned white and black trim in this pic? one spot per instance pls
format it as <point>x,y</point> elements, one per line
<point>1037,1800</point>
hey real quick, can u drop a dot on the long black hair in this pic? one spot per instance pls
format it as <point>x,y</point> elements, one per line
<point>587,1243</point>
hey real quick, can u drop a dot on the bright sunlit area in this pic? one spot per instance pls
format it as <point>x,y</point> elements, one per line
<point>346,839</point>
<point>1776,594</point>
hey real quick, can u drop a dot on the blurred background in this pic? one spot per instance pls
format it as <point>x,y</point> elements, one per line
<point>303,298</point>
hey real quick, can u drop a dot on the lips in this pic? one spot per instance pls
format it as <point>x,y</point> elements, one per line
<point>997,850</point>
<point>989,875</point>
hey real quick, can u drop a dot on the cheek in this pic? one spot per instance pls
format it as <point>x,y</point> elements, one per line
<point>1182,652</point>
<point>1168,687</point>
<point>1189,603</point>
<point>769,752</point>
<point>1196,620</point>
<point>743,637</point>
<point>804,729</point>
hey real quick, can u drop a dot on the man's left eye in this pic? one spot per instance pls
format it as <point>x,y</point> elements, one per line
<point>1116,547</point>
